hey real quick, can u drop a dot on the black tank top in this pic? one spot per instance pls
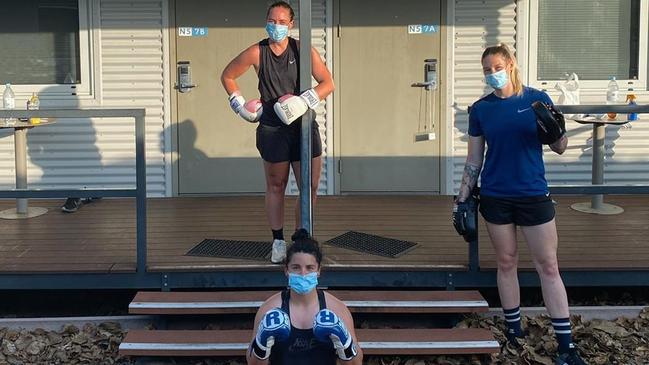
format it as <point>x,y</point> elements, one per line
<point>302,348</point>
<point>278,76</point>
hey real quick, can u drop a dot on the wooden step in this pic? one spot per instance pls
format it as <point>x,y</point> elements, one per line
<point>358,301</point>
<point>372,341</point>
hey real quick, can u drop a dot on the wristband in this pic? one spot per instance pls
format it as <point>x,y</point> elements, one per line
<point>258,351</point>
<point>349,352</point>
<point>311,98</point>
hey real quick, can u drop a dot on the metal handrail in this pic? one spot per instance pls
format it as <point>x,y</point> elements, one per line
<point>597,189</point>
<point>603,108</point>
<point>139,193</point>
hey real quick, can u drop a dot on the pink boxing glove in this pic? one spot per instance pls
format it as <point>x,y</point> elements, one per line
<point>250,110</point>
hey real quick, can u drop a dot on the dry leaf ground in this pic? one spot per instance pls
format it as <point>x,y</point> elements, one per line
<point>624,341</point>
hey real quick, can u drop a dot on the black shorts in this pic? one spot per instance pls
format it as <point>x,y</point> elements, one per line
<point>283,143</point>
<point>522,211</point>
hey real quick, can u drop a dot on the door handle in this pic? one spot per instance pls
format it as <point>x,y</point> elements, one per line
<point>184,83</point>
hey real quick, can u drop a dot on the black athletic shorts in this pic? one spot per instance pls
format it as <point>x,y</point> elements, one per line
<point>522,211</point>
<point>282,143</point>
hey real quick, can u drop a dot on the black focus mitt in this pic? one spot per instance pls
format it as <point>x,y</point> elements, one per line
<point>465,217</point>
<point>550,124</point>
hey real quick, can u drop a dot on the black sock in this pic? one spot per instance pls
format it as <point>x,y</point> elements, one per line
<point>513,320</point>
<point>563,332</point>
<point>278,234</point>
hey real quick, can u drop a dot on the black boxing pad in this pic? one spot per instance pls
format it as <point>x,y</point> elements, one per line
<point>465,217</point>
<point>550,124</point>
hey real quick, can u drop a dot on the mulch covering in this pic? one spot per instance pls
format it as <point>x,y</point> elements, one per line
<point>623,341</point>
<point>600,342</point>
<point>88,345</point>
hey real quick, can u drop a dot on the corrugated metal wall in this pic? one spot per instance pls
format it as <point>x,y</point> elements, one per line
<point>479,23</point>
<point>626,160</point>
<point>128,46</point>
<point>132,71</point>
<point>319,41</point>
<point>130,60</point>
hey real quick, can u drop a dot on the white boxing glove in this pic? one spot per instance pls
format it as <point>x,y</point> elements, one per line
<point>250,111</point>
<point>290,107</point>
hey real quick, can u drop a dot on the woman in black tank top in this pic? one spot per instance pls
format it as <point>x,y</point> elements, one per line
<point>278,136</point>
<point>304,343</point>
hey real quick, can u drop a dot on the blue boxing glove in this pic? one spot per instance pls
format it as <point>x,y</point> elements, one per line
<point>327,326</point>
<point>275,326</point>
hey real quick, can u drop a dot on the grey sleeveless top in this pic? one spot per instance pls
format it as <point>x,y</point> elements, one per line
<point>278,76</point>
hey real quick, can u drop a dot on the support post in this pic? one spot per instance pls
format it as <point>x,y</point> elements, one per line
<point>599,134</point>
<point>306,210</point>
<point>20,148</point>
<point>474,256</point>
<point>140,177</point>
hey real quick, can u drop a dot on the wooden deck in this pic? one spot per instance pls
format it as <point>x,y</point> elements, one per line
<point>101,236</point>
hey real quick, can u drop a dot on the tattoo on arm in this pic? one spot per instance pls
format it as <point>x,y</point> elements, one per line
<point>469,180</point>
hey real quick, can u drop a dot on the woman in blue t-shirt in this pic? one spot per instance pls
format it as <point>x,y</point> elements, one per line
<point>514,192</point>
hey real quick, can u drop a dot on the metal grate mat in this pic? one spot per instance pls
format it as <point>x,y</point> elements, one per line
<point>232,249</point>
<point>369,243</point>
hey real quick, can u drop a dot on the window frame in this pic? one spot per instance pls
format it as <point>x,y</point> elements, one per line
<point>643,67</point>
<point>86,57</point>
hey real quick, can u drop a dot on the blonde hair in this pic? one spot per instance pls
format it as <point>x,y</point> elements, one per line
<point>501,49</point>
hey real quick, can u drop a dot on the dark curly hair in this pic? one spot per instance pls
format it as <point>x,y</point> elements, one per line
<point>304,244</point>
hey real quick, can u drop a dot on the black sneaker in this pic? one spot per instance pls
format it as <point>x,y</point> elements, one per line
<point>514,340</point>
<point>90,200</point>
<point>570,358</point>
<point>71,205</point>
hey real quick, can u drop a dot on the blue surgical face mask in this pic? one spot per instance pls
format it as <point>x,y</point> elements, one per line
<point>276,32</point>
<point>497,80</point>
<point>303,284</point>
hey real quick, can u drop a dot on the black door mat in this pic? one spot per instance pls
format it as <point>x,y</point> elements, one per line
<point>369,243</point>
<point>251,250</point>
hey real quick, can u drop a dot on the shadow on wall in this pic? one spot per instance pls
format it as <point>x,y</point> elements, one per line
<point>612,134</point>
<point>198,172</point>
<point>64,151</point>
<point>67,153</point>
<point>186,129</point>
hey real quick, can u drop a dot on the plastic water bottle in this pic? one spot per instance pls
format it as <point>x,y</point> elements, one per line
<point>630,98</point>
<point>9,102</point>
<point>612,95</point>
<point>32,104</point>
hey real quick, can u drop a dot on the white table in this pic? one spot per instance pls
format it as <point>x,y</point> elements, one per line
<point>597,205</point>
<point>22,210</point>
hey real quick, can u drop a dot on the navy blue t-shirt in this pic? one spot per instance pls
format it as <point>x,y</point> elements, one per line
<point>513,165</point>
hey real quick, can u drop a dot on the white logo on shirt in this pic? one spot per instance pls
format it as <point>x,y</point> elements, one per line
<point>291,61</point>
<point>526,109</point>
